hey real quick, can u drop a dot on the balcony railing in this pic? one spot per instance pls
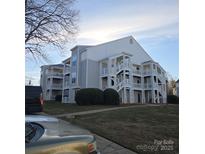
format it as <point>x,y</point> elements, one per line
<point>66,84</point>
<point>67,70</point>
<point>137,85</point>
<point>148,85</point>
<point>161,88</point>
<point>147,72</point>
<point>127,65</point>
<point>104,71</point>
<point>55,74</point>
<point>136,71</point>
<point>57,86</point>
<point>126,82</point>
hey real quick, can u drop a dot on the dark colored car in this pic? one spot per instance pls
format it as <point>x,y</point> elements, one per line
<point>49,135</point>
<point>33,99</point>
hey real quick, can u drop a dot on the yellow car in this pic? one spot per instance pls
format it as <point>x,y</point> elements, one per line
<point>48,135</point>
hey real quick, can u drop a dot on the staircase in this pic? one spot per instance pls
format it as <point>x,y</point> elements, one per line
<point>124,83</point>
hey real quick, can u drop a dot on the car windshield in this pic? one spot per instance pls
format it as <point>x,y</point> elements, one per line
<point>30,132</point>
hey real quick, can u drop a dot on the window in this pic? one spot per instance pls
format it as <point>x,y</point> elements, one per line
<point>33,132</point>
<point>112,82</point>
<point>74,60</point>
<point>73,80</point>
<point>158,70</point>
<point>154,66</point>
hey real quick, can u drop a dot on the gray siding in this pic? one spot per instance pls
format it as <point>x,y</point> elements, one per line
<point>82,74</point>
<point>93,74</point>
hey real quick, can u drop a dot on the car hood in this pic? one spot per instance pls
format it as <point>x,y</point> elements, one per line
<point>56,127</point>
<point>58,135</point>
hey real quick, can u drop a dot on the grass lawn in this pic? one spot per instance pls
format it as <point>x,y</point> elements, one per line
<point>54,108</point>
<point>137,128</point>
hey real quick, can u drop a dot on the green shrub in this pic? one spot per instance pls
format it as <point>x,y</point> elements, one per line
<point>172,99</point>
<point>111,97</point>
<point>89,96</point>
<point>58,98</point>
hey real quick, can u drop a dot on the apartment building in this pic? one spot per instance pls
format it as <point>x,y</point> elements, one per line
<point>120,64</point>
<point>51,80</point>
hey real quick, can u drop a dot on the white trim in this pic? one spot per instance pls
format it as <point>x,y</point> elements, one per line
<point>86,80</point>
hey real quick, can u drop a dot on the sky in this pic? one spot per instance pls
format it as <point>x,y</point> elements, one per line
<point>153,23</point>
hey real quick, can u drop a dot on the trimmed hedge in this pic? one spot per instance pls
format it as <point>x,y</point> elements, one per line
<point>58,98</point>
<point>172,99</point>
<point>89,96</point>
<point>111,97</point>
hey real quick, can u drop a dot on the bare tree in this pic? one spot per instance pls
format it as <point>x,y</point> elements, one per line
<point>171,84</point>
<point>48,22</point>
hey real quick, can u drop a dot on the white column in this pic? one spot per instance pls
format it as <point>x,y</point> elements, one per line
<point>142,86</point>
<point>131,95</point>
<point>153,87</point>
<point>64,69</point>
<point>109,81</point>
<point>100,79</point>
<point>50,94</point>
<point>51,83</point>
<point>125,96</point>
<point>108,69</point>
<point>143,96</point>
<point>158,97</point>
<point>153,96</point>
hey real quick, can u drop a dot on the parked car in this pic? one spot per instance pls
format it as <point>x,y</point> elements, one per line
<point>48,135</point>
<point>33,99</point>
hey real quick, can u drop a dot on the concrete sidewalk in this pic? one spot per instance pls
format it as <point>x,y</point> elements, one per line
<point>70,115</point>
<point>108,147</point>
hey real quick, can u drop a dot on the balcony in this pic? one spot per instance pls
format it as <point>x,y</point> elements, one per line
<point>67,70</point>
<point>161,88</point>
<point>56,86</point>
<point>148,85</point>
<point>57,75</point>
<point>104,71</point>
<point>126,82</point>
<point>147,72</point>
<point>137,72</point>
<point>66,84</point>
<point>137,85</point>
